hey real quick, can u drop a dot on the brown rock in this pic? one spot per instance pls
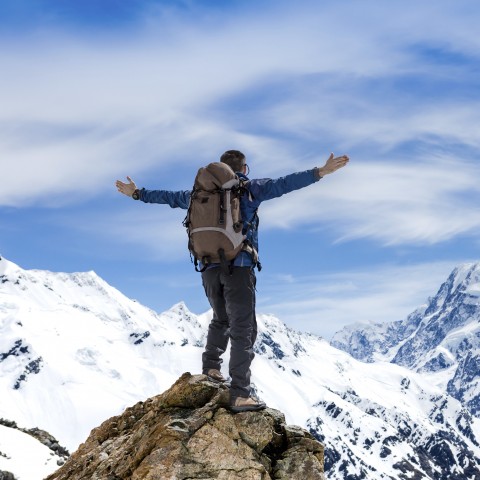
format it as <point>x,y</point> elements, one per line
<point>187,433</point>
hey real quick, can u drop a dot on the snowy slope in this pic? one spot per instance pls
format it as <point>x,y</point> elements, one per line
<point>441,339</point>
<point>24,456</point>
<point>74,351</point>
<point>375,419</point>
<point>75,334</point>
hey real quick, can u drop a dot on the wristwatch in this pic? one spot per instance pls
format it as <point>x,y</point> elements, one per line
<point>136,194</point>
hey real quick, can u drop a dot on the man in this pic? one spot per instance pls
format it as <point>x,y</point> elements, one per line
<point>232,293</point>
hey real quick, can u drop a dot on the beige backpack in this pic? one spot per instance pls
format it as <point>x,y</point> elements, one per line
<point>214,224</point>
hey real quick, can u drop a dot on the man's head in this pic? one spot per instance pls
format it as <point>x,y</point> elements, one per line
<point>235,160</point>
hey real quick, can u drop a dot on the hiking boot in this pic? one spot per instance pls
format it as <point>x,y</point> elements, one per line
<point>246,404</point>
<point>215,375</point>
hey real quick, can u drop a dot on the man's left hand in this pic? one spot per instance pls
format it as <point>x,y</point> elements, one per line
<point>333,164</point>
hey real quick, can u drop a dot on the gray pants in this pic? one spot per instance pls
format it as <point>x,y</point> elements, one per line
<point>232,298</point>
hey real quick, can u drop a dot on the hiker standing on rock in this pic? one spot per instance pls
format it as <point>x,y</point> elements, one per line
<point>231,290</point>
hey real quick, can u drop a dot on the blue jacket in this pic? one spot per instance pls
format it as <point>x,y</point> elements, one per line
<point>259,190</point>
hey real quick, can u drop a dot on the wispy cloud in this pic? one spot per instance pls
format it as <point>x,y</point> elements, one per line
<point>77,113</point>
<point>323,304</point>
<point>422,202</point>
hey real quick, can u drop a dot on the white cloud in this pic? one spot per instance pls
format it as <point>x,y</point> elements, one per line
<point>76,112</point>
<point>351,114</point>
<point>410,202</point>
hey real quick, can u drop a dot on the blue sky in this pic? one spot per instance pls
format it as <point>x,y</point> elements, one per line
<point>93,91</point>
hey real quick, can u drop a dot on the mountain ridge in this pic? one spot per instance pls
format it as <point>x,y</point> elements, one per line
<point>102,352</point>
<point>441,338</point>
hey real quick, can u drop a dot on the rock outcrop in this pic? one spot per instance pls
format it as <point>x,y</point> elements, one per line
<point>186,433</point>
<point>6,475</point>
<point>42,436</point>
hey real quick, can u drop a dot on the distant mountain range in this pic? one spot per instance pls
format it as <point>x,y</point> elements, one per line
<point>75,351</point>
<point>440,339</point>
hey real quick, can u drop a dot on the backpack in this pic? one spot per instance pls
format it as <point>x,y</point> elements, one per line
<point>213,222</point>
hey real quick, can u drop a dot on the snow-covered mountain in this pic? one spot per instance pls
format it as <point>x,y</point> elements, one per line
<point>75,351</point>
<point>440,339</point>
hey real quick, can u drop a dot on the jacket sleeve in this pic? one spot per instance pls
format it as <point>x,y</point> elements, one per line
<point>267,188</point>
<point>180,199</point>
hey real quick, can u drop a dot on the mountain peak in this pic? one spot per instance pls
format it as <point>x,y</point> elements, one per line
<point>187,432</point>
<point>180,309</point>
<point>467,278</point>
<point>7,267</point>
<point>442,339</point>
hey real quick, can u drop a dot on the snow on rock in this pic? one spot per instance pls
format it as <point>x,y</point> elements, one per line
<point>24,456</point>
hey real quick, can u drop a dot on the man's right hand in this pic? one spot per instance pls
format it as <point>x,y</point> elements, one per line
<point>126,188</point>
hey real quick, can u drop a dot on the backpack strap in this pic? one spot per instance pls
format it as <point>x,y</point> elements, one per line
<point>250,249</point>
<point>247,245</point>
<point>223,210</point>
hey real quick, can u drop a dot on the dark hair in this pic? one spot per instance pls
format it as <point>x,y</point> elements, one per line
<point>234,159</point>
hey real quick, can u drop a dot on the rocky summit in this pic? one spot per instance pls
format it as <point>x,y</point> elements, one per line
<point>188,433</point>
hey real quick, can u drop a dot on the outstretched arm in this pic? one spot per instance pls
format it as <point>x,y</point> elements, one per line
<point>126,188</point>
<point>332,165</point>
<point>180,199</point>
<point>267,188</point>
